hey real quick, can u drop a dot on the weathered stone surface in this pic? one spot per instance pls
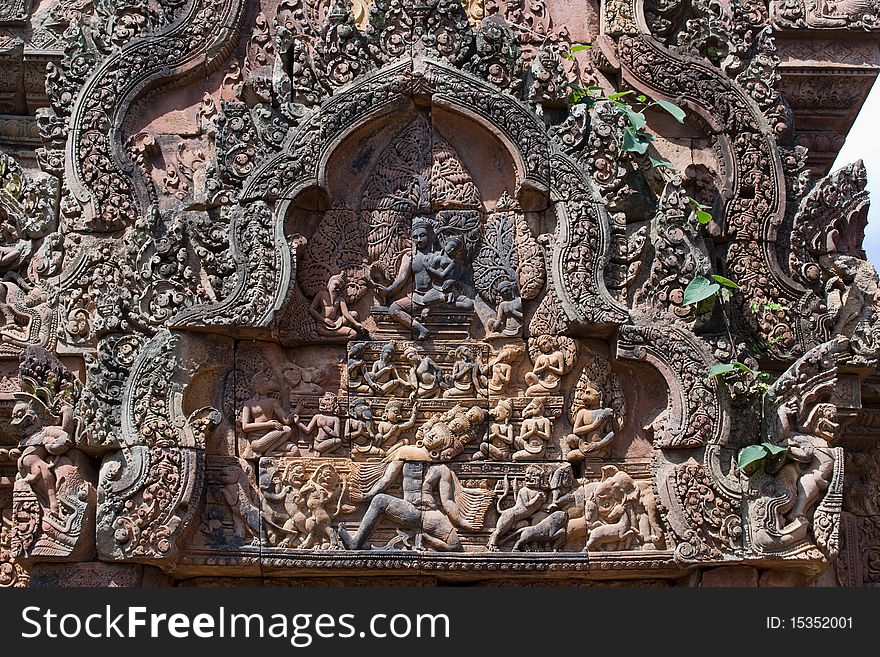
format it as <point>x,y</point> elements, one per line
<point>305,293</point>
<point>97,574</point>
<point>730,576</point>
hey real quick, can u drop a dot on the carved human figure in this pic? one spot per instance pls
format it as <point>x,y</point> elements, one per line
<point>496,445</point>
<point>11,258</point>
<point>413,269</point>
<point>555,529</point>
<point>611,511</point>
<point>534,433</point>
<point>356,368</point>
<point>326,421</point>
<point>569,495</point>
<point>283,506</point>
<point>650,526</point>
<point>811,468</point>
<point>500,369</point>
<point>426,378</point>
<point>547,370</point>
<point>39,446</point>
<point>445,270</point>
<point>434,502</point>
<point>384,378</point>
<point>529,499</point>
<point>592,434</point>
<point>361,431</point>
<point>509,314</point>
<point>330,310</point>
<point>467,375</point>
<point>392,426</point>
<point>852,294</point>
<point>53,497</point>
<point>456,427</point>
<point>264,422</point>
<point>806,474</point>
<point>231,487</point>
<point>418,269</point>
<point>324,495</point>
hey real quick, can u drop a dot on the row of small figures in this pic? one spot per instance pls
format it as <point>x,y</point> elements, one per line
<point>269,430</point>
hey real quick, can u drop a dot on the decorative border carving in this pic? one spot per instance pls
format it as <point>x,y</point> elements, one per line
<point>97,171</point>
<point>696,414</point>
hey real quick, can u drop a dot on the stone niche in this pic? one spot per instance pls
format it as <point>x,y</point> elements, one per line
<point>410,292</point>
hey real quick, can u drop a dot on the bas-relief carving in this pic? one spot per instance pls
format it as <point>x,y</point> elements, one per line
<point>53,510</point>
<point>847,15</point>
<point>807,491</point>
<point>385,297</point>
<point>29,256</point>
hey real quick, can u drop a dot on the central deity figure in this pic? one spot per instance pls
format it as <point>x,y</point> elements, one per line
<point>434,276</point>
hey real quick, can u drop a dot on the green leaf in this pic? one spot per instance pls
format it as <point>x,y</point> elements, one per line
<point>721,368</point>
<point>660,163</point>
<point>673,109</point>
<point>703,217</point>
<point>776,457</point>
<point>577,47</point>
<point>773,449</point>
<point>620,94</point>
<point>726,282</point>
<point>751,458</point>
<point>742,367</point>
<point>632,142</point>
<point>641,98</point>
<point>775,306</point>
<point>699,289</point>
<point>578,93</point>
<point>636,119</point>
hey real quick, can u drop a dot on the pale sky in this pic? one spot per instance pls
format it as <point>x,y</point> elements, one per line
<point>863,143</point>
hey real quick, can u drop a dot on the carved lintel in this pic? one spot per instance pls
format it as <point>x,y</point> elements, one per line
<point>147,501</point>
<point>816,15</point>
<point>704,516</point>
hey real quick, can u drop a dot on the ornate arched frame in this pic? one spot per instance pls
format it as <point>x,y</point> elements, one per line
<point>752,214</point>
<point>98,169</point>
<point>542,174</point>
<point>652,68</point>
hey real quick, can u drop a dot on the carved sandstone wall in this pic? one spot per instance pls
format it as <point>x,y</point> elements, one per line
<point>419,290</point>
